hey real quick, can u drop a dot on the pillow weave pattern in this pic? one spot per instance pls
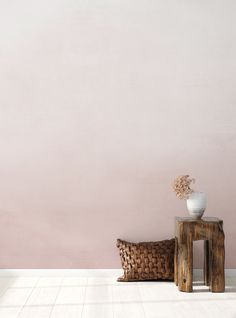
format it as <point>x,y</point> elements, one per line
<point>147,260</point>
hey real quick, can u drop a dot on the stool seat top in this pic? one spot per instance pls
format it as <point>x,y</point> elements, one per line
<point>205,219</point>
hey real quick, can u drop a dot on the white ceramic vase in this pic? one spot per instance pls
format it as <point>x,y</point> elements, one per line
<point>196,204</point>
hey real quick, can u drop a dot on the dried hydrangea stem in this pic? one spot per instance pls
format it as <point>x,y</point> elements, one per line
<point>181,186</point>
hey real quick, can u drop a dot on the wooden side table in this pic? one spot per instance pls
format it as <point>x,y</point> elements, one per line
<point>211,231</point>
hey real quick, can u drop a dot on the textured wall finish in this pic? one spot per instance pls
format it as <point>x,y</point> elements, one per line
<point>102,104</point>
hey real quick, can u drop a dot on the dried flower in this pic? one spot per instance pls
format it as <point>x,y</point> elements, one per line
<point>181,186</point>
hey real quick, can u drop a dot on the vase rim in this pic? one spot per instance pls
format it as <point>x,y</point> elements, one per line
<point>197,193</point>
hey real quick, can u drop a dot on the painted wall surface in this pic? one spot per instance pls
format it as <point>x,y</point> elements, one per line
<point>102,104</point>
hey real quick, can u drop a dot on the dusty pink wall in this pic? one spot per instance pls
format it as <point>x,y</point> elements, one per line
<point>102,104</point>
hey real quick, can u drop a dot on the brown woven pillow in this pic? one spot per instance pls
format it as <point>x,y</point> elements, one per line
<point>147,260</point>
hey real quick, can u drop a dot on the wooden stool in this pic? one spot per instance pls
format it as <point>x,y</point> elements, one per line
<point>211,231</point>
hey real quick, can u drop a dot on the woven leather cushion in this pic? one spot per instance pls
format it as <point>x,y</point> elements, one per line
<point>147,260</point>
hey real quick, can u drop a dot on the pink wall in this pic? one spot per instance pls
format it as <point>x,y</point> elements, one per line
<point>102,104</point>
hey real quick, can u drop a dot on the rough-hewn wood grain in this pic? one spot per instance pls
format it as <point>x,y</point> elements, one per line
<point>217,283</point>
<point>206,263</point>
<point>176,262</point>
<point>211,231</point>
<point>185,266</point>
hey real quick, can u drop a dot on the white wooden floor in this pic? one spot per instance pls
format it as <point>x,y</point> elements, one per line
<point>98,297</point>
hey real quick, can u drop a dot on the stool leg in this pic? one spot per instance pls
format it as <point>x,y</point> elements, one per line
<point>218,261</point>
<point>185,266</point>
<point>206,263</point>
<point>210,262</point>
<point>176,262</point>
